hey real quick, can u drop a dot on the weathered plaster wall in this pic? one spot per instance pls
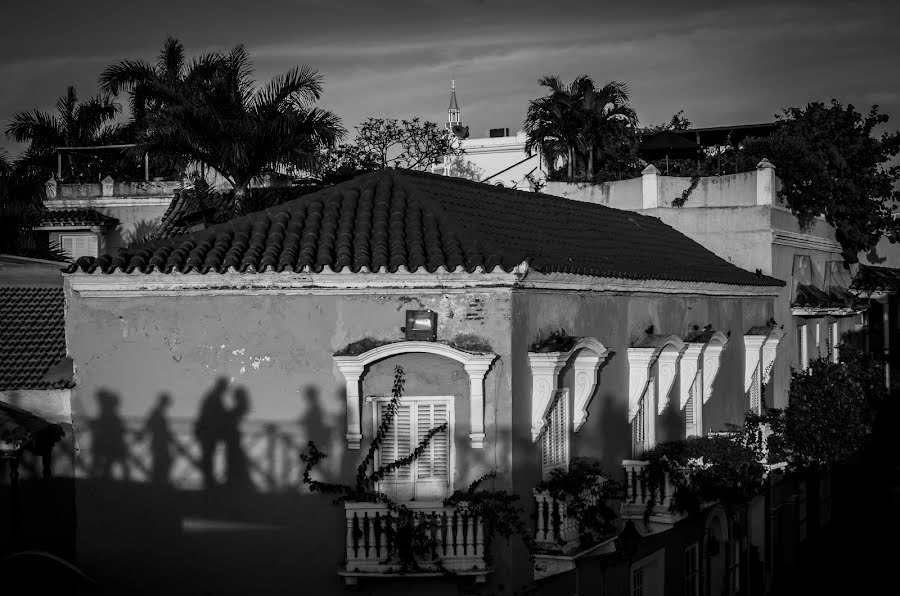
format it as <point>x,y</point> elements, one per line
<point>280,349</point>
<point>622,194</point>
<point>740,235</point>
<point>618,322</point>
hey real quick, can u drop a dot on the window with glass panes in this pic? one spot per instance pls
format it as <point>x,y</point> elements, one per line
<point>734,566</point>
<point>428,476</point>
<point>79,245</point>
<point>691,585</point>
<point>637,582</point>
<point>555,439</point>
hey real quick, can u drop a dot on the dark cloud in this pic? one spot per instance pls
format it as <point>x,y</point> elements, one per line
<point>393,58</point>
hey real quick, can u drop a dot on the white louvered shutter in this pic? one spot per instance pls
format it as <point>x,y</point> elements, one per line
<point>398,441</point>
<point>435,461</point>
<point>555,441</point>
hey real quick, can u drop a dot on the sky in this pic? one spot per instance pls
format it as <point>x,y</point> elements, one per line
<point>721,62</point>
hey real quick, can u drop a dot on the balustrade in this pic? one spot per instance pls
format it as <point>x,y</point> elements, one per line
<point>455,539</point>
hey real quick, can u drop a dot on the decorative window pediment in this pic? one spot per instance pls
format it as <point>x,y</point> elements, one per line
<point>545,369</point>
<point>476,365</point>
<point>663,350</point>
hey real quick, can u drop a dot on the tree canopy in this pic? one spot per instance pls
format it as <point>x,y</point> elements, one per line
<point>239,130</point>
<point>581,123</point>
<point>388,142</point>
<point>832,164</point>
<point>74,123</point>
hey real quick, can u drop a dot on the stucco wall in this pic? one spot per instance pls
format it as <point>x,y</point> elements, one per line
<point>279,348</point>
<point>740,235</point>
<point>623,194</point>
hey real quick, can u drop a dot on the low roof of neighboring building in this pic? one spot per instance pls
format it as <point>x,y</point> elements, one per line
<point>33,339</point>
<point>20,428</point>
<point>400,218</point>
<point>209,205</point>
<point>870,278</point>
<point>77,218</point>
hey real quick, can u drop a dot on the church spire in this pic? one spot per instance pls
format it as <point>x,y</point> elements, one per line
<point>453,111</point>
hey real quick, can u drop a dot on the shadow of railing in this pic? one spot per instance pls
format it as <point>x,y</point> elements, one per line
<point>271,450</point>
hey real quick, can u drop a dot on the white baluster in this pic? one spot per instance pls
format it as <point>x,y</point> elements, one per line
<point>370,521</point>
<point>351,551</point>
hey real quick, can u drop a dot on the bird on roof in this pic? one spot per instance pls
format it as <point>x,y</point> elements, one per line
<point>772,322</point>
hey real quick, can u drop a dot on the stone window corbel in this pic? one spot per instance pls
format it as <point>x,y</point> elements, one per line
<point>667,366</point>
<point>769,351</point>
<point>712,356</point>
<point>690,368</point>
<point>639,362</point>
<point>752,352</point>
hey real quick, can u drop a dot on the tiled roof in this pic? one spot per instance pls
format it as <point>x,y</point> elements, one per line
<point>399,218</point>
<point>217,206</point>
<point>19,427</point>
<point>32,338</point>
<point>809,296</point>
<point>870,278</point>
<point>77,217</point>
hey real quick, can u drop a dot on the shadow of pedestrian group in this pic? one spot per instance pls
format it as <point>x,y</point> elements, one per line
<point>216,431</point>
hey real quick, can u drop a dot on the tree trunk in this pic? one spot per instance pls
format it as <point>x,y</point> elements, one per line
<point>591,163</point>
<point>571,157</point>
<point>241,190</point>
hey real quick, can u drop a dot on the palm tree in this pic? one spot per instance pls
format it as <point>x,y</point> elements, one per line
<point>576,118</point>
<point>172,72</point>
<point>551,123</point>
<point>75,123</point>
<point>602,111</point>
<point>240,131</point>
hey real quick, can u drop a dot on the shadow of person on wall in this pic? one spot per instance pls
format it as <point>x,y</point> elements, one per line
<point>312,422</point>
<point>237,466</point>
<point>208,428</point>
<point>161,439</point>
<point>108,447</point>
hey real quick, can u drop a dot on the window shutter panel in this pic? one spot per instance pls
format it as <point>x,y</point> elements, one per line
<point>434,462</point>
<point>403,424</point>
<point>554,442</point>
<point>90,249</point>
<point>397,441</point>
<point>68,246</point>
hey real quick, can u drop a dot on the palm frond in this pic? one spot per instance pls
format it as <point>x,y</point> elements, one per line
<point>126,75</point>
<point>299,85</point>
<point>170,63</point>
<point>35,126</point>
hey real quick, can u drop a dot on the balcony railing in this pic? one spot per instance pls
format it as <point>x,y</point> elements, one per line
<point>640,490</point>
<point>557,528</point>
<point>455,539</point>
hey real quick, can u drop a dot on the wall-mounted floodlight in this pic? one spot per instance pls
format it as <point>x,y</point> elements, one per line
<point>421,325</point>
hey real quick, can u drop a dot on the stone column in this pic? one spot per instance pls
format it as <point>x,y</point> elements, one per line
<point>650,187</point>
<point>765,183</point>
